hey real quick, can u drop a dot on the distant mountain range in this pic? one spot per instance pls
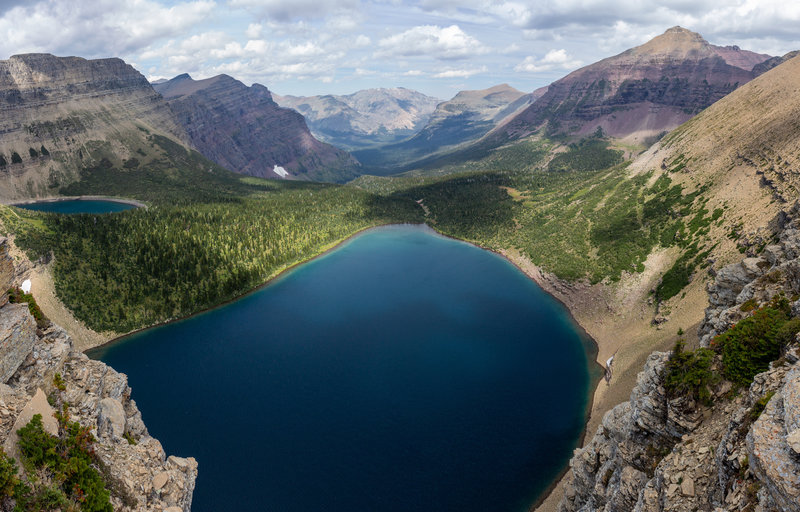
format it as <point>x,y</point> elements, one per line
<point>365,118</point>
<point>466,117</point>
<point>641,92</point>
<point>61,115</point>
<point>242,129</point>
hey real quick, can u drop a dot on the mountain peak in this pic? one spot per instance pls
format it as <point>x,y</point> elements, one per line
<point>676,41</point>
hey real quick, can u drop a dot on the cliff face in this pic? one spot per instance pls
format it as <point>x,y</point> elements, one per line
<point>657,454</point>
<point>60,114</point>
<point>640,92</point>
<point>364,118</point>
<point>242,129</point>
<point>140,476</point>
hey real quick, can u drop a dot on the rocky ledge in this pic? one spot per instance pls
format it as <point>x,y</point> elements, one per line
<point>740,450</point>
<point>136,470</point>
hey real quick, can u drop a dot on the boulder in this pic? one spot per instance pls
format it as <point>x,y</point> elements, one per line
<point>17,336</point>
<point>110,418</point>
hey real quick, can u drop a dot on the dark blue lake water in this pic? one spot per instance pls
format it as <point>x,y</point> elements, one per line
<point>401,372</point>
<point>77,206</point>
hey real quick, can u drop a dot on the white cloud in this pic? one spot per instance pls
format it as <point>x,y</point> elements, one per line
<point>96,28</point>
<point>461,73</point>
<point>433,41</point>
<point>285,10</point>
<point>554,59</point>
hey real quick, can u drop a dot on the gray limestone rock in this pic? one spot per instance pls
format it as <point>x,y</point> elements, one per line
<point>17,336</point>
<point>110,418</point>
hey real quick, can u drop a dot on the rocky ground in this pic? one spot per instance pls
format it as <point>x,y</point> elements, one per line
<point>136,469</point>
<point>654,453</point>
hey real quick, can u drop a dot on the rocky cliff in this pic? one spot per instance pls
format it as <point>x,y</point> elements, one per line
<point>641,92</point>
<point>61,114</point>
<point>364,118</point>
<point>736,451</point>
<point>41,368</point>
<point>242,129</point>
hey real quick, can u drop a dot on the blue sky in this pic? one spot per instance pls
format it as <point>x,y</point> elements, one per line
<point>307,47</point>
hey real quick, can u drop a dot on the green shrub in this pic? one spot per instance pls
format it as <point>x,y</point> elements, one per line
<point>748,305</point>
<point>16,296</point>
<point>43,151</point>
<point>760,405</point>
<point>748,347</point>
<point>689,373</point>
<point>69,459</point>
<point>8,475</point>
<point>15,158</point>
<point>3,162</point>
<point>33,152</point>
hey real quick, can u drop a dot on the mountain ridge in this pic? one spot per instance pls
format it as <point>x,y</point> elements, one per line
<point>242,129</point>
<point>364,118</point>
<point>59,115</point>
<point>640,92</point>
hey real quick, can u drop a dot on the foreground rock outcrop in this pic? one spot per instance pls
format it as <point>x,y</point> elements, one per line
<point>739,452</point>
<point>135,467</point>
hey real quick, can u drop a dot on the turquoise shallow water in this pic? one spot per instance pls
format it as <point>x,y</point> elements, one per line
<point>403,371</point>
<point>78,206</point>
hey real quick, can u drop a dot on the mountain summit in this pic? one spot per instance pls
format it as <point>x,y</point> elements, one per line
<point>641,92</point>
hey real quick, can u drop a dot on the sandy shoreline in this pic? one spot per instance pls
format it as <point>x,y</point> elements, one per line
<point>616,318</point>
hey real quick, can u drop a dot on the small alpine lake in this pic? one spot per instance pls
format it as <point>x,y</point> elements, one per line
<point>70,206</point>
<point>402,371</point>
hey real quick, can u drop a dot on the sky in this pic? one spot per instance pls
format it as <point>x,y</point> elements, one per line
<point>438,47</point>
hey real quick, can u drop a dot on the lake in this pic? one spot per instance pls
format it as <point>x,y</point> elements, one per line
<point>402,371</point>
<point>77,206</point>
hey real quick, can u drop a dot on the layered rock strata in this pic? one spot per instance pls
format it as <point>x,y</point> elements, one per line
<point>242,129</point>
<point>61,114</point>
<point>641,92</point>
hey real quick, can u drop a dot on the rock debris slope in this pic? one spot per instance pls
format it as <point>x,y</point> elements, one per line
<point>657,453</point>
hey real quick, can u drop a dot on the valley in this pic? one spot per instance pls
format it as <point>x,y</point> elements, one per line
<point>629,190</point>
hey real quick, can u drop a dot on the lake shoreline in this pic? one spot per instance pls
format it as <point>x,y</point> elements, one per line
<point>56,199</point>
<point>572,310</point>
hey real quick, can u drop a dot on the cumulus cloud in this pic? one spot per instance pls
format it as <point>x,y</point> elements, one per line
<point>554,59</point>
<point>444,43</point>
<point>95,28</point>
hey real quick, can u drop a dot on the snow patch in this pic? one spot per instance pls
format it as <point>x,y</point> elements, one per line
<point>280,171</point>
<point>26,286</point>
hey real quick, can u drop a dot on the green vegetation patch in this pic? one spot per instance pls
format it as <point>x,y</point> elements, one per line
<point>689,373</point>
<point>64,466</point>
<point>590,154</point>
<point>17,296</point>
<point>133,269</point>
<point>749,346</point>
<point>760,405</point>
